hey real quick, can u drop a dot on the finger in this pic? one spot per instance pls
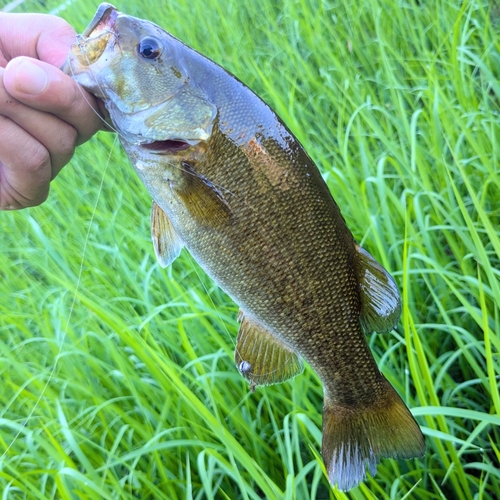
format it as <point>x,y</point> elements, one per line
<point>46,88</point>
<point>40,36</point>
<point>58,137</point>
<point>25,169</point>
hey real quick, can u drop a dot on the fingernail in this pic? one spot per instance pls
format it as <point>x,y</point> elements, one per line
<point>30,78</point>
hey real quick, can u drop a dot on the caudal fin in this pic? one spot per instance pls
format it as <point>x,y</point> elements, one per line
<point>356,438</point>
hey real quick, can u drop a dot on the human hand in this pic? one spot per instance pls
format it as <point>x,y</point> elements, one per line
<point>44,114</point>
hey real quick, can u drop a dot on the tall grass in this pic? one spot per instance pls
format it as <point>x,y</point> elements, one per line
<point>117,376</point>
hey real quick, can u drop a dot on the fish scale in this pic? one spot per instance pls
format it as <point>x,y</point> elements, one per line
<point>231,184</point>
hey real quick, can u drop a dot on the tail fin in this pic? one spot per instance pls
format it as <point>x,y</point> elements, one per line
<point>356,437</point>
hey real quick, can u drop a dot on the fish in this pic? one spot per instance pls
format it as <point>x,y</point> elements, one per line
<point>232,185</point>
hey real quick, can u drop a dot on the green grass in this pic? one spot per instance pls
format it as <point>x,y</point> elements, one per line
<point>117,376</point>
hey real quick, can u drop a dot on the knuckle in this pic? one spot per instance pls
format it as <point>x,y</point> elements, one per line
<point>63,151</point>
<point>69,99</point>
<point>14,199</point>
<point>37,161</point>
<point>67,144</point>
<point>62,27</point>
<point>40,198</point>
<point>10,202</point>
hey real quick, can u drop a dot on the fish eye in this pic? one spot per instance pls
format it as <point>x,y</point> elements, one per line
<point>149,48</point>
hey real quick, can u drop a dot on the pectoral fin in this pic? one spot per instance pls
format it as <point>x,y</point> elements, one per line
<point>262,358</point>
<point>380,299</point>
<point>166,241</point>
<point>202,198</point>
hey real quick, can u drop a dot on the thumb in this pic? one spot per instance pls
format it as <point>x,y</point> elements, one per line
<point>24,76</point>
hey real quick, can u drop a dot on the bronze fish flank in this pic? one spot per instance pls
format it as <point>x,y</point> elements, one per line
<point>233,185</point>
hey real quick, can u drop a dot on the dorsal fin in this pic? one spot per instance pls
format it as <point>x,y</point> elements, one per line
<point>380,299</point>
<point>166,241</point>
<point>262,358</point>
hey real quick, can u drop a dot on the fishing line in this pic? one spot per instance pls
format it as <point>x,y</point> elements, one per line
<point>82,49</point>
<point>193,265</point>
<point>246,396</point>
<point>72,307</point>
<point>81,46</point>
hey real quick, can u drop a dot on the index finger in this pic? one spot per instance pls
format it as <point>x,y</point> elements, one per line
<point>39,36</point>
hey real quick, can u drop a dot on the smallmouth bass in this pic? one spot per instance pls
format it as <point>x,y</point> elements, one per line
<point>231,184</point>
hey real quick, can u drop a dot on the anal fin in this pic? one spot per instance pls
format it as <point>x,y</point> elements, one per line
<point>380,299</point>
<point>166,241</point>
<point>262,358</point>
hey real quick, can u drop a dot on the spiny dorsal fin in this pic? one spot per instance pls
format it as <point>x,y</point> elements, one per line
<point>262,358</point>
<point>166,241</point>
<point>380,299</point>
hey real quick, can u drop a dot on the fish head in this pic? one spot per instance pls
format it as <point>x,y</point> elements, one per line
<point>139,71</point>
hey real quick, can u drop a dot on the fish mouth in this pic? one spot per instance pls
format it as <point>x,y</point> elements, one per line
<point>169,146</point>
<point>104,20</point>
